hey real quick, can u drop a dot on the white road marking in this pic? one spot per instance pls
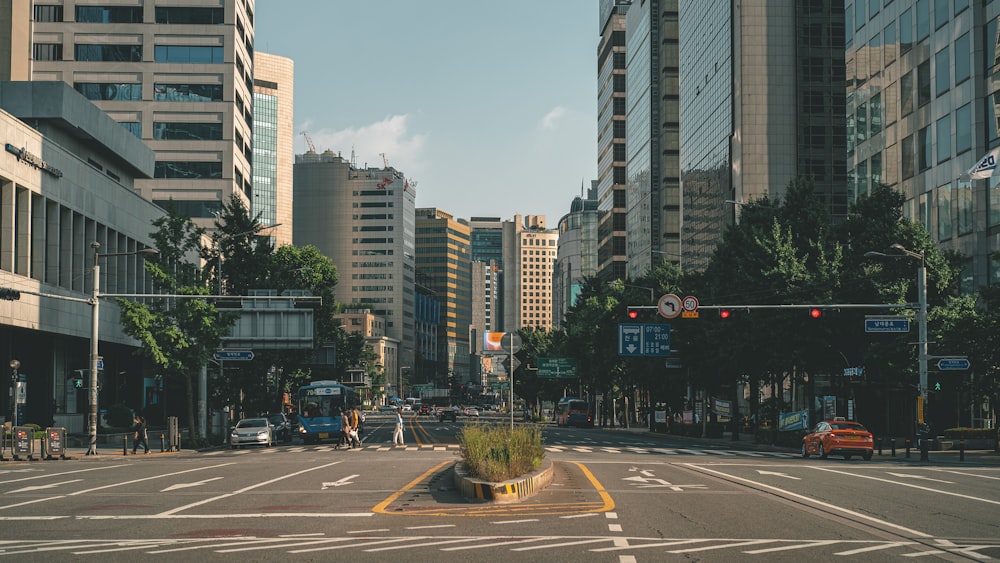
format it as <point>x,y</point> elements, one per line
<point>964,473</point>
<point>187,485</point>
<point>614,527</point>
<point>497,544</point>
<point>42,487</point>
<point>284,545</point>
<point>791,547</point>
<point>912,486</point>
<point>874,548</point>
<point>241,542</point>
<point>367,531</point>
<point>626,559</point>
<point>762,472</point>
<point>611,515</point>
<point>160,476</point>
<point>429,527</point>
<point>339,482</point>
<point>526,520</point>
<point>853,513</point>
<point>720,546</point>
<point>921,477</point>
<point>393,540</point>
<point>60,474</point>
<point>563,544</point>
<point>658,544</point>
<point>425,544</point>
<point>588,515</point>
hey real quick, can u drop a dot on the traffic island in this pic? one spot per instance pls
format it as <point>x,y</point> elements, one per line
<point>510,491</point>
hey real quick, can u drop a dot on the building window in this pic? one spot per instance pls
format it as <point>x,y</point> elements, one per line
<point>943,138</point>
<point>944,212</point>
<point>963,58</point>
<point>199,16</point>
<point>923,19</point>
<point>187,170</point>
<point>861,124</point>
<point>109,53</point>
<point>889,42</point>
<point>109,91</point>
<point>48,51</point>
<point>862,179</point>
<point>964,200</point>
<point>906,156</point>
<point>963,129</point>
<point>942,72</point>
<point>109,14</point>
<point>924,149</point>
<point>876,170</point>
<point>187,131</point>
<point>875,114</point>
<point>906,94</point>
<point>189,54</point>
<point>48,13</point>
<point>193,209</point>
<point>905,31</point>
<point>133,127</point>
<point>940,13</point>
<point>187,92</point>
<point>924,83</point>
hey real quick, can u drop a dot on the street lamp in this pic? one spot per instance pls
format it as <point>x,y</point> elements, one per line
<point>902,252</point>
<point>94,324</point>
<point>14,364</point>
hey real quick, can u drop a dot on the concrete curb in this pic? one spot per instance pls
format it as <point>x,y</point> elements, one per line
<point>510,491</point>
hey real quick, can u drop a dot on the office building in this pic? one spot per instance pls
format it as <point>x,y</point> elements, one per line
<point>529,255</point>
<point>576,255</point>
<point>273,135</point>
<point>921,110</point>
<point>611,89</point>
<point>762,103</point>
<point>179,76</point>
<point>444,260</point>
<point>362,220</point>
<point>486,235</point>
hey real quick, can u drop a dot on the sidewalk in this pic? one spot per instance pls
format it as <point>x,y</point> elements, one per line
<point>746,442</point>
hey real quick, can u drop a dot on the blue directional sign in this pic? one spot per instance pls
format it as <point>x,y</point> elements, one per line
<point>945,364</point>
<point>643,339</point>
<point>887,324</point>
<point>233,355</point>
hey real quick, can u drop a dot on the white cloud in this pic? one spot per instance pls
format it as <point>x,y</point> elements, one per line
<point>402,148</point>
<point>550,120</point>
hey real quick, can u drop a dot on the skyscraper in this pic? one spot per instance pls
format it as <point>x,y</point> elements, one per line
<point>273,135</point>
<point>178,77</point>
<point>762,103</point>
<point>362,220</point>
<point>576,257</point>
<point>529,255</point>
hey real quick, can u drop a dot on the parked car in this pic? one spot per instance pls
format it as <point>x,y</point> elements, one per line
<point>448,413</point>
<point>282,427</point>
<point>839,437</point>
<point>472,411</point>
<point>252,432</point>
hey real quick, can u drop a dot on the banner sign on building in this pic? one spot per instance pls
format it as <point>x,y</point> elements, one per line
<point>797,420</point>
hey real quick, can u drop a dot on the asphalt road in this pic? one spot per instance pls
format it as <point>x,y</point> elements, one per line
<point>617,496</point>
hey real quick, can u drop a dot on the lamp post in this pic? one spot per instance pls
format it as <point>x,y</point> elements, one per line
<point>922,356</point>
<point>14,364</point>
<point>94,325</point>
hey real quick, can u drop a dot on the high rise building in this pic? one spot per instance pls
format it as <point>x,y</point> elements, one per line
<point>486,234</point>
<point>762,103</point>
<point>576,256</point>
<point>529,255</point>
<point>652,136</point>
<point>612,257</point>
<point>921,109</point>
<point>362,220</point>
<point>444,260</point>
<point>179,77</point>
<point>273,135</point>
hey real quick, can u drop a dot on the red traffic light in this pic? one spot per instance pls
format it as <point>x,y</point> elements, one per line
<point>633,314</point>
<point>815,313</point>
<point>725,313</point>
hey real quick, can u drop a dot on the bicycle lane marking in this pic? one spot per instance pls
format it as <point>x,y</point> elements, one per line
<point>803,498</point>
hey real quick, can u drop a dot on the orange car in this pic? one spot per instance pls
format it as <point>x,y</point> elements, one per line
<point>840,437</point>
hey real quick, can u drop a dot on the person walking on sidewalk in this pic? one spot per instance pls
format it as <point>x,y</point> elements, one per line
<point>139,434</point>
<point>397,436</point>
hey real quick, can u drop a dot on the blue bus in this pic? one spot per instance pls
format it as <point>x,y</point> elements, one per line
<point>573,411</point>
<point>319,405</point>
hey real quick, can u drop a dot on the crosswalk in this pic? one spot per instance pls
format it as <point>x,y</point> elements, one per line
<point>320,448</point>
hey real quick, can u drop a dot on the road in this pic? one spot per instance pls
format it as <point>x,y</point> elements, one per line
<point>617,496</point>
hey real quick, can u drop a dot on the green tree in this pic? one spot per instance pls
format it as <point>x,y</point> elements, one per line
<point>179,335</point>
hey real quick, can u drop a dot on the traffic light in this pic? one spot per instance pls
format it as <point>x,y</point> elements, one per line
<point>725,313</point>
<point>7,294</point>
<point>78,384</point>
<point>937,386</point>
<point>815,313</point>
<point>633,313</point>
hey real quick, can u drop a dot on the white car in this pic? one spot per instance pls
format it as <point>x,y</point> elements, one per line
<point>472,411</point>
<point>252,432</point>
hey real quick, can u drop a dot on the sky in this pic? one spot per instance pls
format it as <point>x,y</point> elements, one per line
<point>491,106</point>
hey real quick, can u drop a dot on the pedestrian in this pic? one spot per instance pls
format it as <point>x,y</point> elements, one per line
<point>345,430</point>
<point>355,433</point>
<point>397,436</point>
<point>139,434</point>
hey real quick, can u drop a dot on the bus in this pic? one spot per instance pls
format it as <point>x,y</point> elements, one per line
<point>319,406</point>
<point>574,411</point>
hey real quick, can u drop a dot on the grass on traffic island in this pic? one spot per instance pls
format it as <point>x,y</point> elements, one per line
<point>494,452</point>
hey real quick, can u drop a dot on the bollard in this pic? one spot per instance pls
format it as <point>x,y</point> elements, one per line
<point>880,446</point>
<point>907,443</point>
<point>124,444</point>
<point>924,445</point>
<point>162,443</point>
<point>961,449</point>
<point>892,442</point>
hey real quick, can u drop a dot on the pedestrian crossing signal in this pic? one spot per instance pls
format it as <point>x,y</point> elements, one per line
<point>78,384</point>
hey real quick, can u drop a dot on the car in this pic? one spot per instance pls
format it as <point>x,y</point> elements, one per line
<point>448,413</point>
<point>386,408</point>
<point>472,411</point>
<point>424,409</point>
<point>838,437</point>
<point>257,431</point>
<point>282,427</point>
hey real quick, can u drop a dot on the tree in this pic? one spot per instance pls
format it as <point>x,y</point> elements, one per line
<point>179,335</point>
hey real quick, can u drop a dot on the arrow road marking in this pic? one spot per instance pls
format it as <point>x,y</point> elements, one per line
<point>643,472</point>
<point>908,476</point>
<point>186,485</point>
<point>339,482</point>
<point>648,483</point>
<point>762,472</point>
<point>41,487</point>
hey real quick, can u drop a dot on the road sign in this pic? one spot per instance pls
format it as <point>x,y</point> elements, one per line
<point>100,364</point>
<point>947,364</point>
<point>233,355</point>
<point>557,368</point>
<point>690,304</point>
<point>669,306</point>
<point>511,342</point>
<point>874,323</point>
<point>643,339</point>
<point>512,363</point>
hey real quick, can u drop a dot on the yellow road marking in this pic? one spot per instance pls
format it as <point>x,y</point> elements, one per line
<point>380,507</point>
<point>609,503</point>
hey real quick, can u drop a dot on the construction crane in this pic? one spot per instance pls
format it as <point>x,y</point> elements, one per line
<point>312,147</point>
<point>385,160</point>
